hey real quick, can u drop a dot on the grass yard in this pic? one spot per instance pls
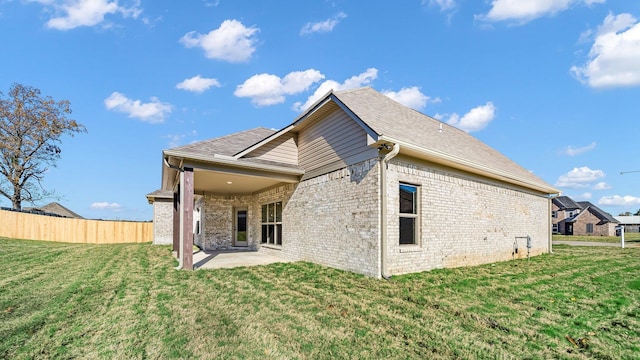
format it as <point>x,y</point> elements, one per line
<point>126,301</point>
<point>630,238</point>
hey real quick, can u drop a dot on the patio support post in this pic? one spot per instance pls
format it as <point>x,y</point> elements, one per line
<point>186,219</point>
<point>176,222</point>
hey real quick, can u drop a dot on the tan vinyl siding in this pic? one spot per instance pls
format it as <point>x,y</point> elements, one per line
<point>334,142</point>
<point>283,149</point>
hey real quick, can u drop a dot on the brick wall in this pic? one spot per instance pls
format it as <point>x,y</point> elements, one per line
<point>333,220</point>
<point>586,217</point>
<point>163,222</point>
<point>217,213</point>
<point>465,220</point>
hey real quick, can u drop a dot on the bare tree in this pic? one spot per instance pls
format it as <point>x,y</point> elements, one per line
<point>31,126</point>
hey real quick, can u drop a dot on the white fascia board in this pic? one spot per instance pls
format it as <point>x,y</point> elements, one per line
<point>233,162</point>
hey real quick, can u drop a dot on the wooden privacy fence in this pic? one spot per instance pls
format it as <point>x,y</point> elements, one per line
<point>19,225</point>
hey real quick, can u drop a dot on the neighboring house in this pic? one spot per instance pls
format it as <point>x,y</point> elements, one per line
<point>631,223</point>
<point>581,218</point>
<point>55,209</point>
<point>357,182</point>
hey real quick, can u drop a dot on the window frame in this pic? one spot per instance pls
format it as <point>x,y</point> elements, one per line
<point>272,221</point>
<point>414,215</point>
<point>589,228</point>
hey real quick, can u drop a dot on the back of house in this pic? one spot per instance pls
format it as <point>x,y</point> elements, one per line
<point>357,182</point>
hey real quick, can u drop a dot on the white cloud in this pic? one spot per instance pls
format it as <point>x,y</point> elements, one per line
<point>198,84</point>
<point>579,177</point>
<point>178,139</point>
<point>152,112</point>
<point>444,5</point>
<point>105,206</point>
<point>268,89</point>
<point>232,41</point>
<point>571,151</point>
<point>523,11</point>
<point>71,14</point>
<point>476,119</point>
<point>614,58</point>
<point>601,186</point>
<point>411,97</point>
<point>175,139</point>
<point>617,200</point>
<point>583,196</point>
<point>322,26</point>
<point>360,80</point>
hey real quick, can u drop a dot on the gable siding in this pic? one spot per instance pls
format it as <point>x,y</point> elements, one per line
<point>283,149</point>
<point>332,143</point>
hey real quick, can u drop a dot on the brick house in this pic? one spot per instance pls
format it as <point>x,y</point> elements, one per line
<point>357,182</point>
<point>569,217</point>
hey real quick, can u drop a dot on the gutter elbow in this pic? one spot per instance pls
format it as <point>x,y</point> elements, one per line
<point>394,152</point>
<point>391,154</point>
<point>167,164</point>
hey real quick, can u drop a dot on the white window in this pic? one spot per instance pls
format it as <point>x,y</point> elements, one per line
<point>272,223</point>
<point>409,210</point>
<point>555,228</point>
<point>554,214</point>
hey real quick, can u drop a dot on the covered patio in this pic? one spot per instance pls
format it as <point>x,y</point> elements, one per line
<point>201,177</point>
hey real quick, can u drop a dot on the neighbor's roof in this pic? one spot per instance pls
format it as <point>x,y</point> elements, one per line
<point>628,219</point>
<point>400,124</point>
<point>601,214</point>
<point>55,208</point>
<point>566,203</point>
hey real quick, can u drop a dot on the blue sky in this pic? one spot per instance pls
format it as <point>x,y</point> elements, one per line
<point>552,84</point>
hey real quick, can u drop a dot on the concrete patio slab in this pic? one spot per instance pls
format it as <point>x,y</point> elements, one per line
<point>232,258</point>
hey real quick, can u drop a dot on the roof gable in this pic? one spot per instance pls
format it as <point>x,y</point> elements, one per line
<point>599,213</point>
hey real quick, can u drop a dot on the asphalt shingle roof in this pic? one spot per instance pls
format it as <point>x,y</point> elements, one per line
<point>601,214</point>
<point>566,203</point>
<point>228,144</point>
<point>392,119</point>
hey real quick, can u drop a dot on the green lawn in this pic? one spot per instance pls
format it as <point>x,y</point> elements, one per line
<point>126,301</point>
<point>631,238</point>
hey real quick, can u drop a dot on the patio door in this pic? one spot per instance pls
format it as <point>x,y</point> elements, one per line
<point>240,233</point>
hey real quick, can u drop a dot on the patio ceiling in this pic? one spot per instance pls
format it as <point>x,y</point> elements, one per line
<point>229,183</point>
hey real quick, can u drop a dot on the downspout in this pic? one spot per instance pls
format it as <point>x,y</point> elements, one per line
<point>553,196</point>
<point>384,165</point>
<point>180,171</point>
